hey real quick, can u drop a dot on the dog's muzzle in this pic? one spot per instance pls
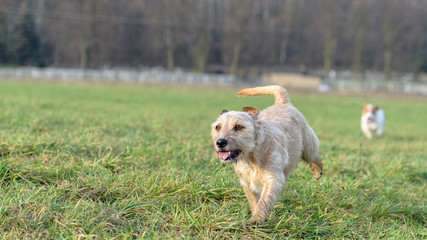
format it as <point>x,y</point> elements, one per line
<point>225,154</point>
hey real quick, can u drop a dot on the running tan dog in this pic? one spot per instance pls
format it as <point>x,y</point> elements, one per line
<point>265,146</point>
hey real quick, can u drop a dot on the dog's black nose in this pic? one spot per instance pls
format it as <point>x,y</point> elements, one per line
<point>221,142</point>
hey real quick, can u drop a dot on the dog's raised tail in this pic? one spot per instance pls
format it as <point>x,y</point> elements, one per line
<point>280,93</point>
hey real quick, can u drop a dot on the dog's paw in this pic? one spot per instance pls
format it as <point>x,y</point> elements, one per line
<point>256,220</point>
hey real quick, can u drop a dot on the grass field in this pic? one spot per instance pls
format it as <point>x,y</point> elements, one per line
<point>121,161</point>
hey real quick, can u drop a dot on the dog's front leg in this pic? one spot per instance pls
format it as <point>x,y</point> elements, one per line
<point>367,133</point>
<point>270,193</point>
<point>251,196</point>
<point>379,132</point>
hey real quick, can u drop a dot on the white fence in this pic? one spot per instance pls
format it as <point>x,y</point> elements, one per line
<point>375,85</point>
<point>157,75</point>
<point>375,81</point>
<point>151,75</point>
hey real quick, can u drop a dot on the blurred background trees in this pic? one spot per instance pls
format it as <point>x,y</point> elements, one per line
<point>217,35</point>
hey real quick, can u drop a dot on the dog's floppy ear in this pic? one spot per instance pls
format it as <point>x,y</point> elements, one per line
<point>223,111</point>
<point>364,108</point>
<point>375,108</point>
<point>251,111</point>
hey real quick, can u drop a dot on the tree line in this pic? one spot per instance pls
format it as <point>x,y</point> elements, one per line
<point>217,35</point>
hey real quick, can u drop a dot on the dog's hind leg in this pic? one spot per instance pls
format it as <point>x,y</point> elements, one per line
<point>314,162</point>
<point>379,132</point>
<point>316,168</point>
<point>310,155</point>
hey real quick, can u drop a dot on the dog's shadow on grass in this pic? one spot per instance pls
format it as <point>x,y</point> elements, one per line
<point>418,177</point>
<point>402,138</point>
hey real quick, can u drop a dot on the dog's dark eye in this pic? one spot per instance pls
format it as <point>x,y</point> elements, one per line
<point>238,127</point>
<point>217,128</point>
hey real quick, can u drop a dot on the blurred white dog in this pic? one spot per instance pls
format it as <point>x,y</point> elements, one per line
<point>373,120</point>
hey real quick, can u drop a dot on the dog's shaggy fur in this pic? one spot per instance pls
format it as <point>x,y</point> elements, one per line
<point>265,146</point>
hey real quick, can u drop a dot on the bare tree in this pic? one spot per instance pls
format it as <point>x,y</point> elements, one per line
<point>359,10</point>
<point>235,30</point>
<point>288,17</point>
<point>330,39</point>
<point>86,34</point>
<point>167,13</point>
<point>203,20</point>
<point>389,33</point>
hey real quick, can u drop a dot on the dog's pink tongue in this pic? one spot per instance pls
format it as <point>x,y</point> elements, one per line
<point>223,155</point>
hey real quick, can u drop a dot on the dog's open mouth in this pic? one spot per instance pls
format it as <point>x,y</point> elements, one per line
<point>228,155</point>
